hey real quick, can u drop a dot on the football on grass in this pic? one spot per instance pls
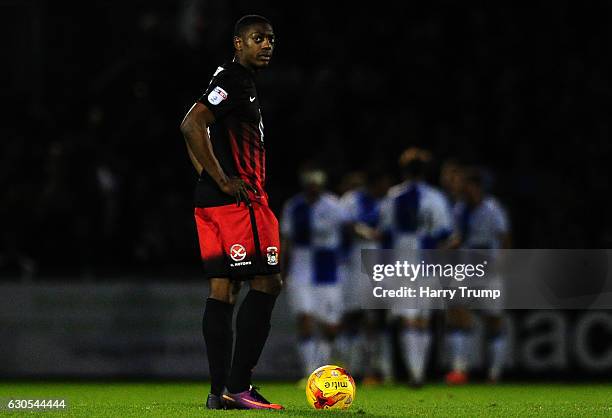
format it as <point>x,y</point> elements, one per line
<point>330,387</point>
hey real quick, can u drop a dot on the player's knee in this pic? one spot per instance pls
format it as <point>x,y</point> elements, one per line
<point>417,323</point>
<point>226,297</point>
<point>268,284</point>
<point>494,325</point>
<point>459,318</point>
<point>305,325</point>
<point>275,285</point>
<point>352,321</point>
<point>421,323</point>
<point>222,289</point>
<point>330,331</point>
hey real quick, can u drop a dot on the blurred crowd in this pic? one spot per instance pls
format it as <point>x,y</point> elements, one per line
<point>95,180</point>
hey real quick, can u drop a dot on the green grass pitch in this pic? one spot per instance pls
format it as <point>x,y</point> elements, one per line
<point>173,399</point>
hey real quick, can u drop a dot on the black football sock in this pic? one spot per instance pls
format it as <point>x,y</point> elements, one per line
<point>218,336</point>
<point>252,329</point>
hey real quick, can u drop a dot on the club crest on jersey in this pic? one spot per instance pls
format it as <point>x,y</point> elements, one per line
<point>272,254</point>
<point>217,95</point>
<point>238,252</point>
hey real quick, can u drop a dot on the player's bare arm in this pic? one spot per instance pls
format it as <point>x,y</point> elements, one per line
<point>363,230</point>
<point>451,243</point>
<point>195,130</point>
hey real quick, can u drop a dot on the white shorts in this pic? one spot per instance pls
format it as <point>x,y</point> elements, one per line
<point>324,302</point>
<point>493,307</point>
<point>357,285</point>
<point>411,313</point>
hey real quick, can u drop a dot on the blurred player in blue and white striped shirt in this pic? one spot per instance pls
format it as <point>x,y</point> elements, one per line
<point>481,223</point>
<point>364,344</point>
<point>415,215</point>
<point>312,225</point>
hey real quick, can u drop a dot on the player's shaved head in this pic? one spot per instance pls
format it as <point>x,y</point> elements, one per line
<point>245,22</point>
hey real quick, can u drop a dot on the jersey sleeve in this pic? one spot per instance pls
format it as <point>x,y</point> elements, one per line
<point>335,213</point>
<point>385,226</point>
<point>342,215</point>
<point>349,204</point>
<point>500,220</point>
<point>222,94</point>
<point>441,218</point>
<point>386,214</point>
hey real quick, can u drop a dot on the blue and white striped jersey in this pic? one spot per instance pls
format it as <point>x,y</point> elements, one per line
<point>482,226</point>
<point>415,215</point>
<point>315,235</point>
<point>363,208</point>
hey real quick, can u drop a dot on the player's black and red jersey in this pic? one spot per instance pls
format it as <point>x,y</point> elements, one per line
<point>237,134</point>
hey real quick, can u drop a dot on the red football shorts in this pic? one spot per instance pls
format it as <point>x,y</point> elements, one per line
<point>238,241</point>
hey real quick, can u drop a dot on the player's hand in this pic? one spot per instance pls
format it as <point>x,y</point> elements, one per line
<point>239,189</point>
<point>451,243</point>
<point>366,232</point>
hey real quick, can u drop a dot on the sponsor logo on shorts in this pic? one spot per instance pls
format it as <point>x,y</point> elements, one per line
<point>272,254</point>
<point>238,252</point>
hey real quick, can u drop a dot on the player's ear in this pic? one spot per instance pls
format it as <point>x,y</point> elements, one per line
<point>237,43</point>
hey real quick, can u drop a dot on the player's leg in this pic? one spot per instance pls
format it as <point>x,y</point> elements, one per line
<point>496,332</point>
<point>252,329</point>
<point>378,351</point>
<point>302,303</point>
<point>416,340</point>
<point>329,324</point>
<point>328,312</point>
<point>217,321</point>
<point>326,348</point>
<point>307,343</point>
<point>496,338</point>
<point>350,342</point>
<point>459,326</point>
<point>255,313</point>
<point>218,336</point>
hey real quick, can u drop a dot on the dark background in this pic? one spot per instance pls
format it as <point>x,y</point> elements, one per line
<point>95,179</point>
